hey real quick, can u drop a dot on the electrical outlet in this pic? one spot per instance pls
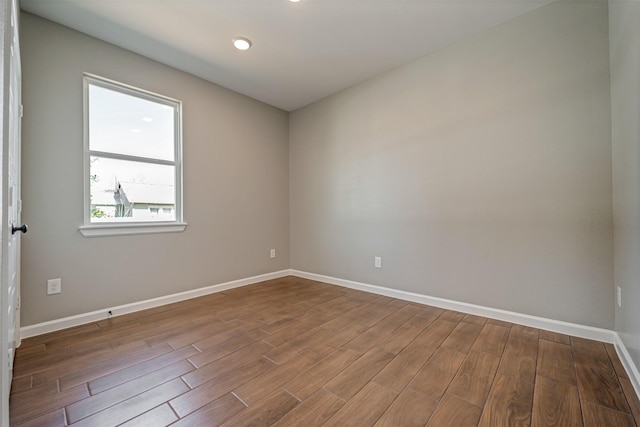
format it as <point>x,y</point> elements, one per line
<point>54,286</point>
<point>377,262</point>
<point>272,254</point>
<point>619,296</point>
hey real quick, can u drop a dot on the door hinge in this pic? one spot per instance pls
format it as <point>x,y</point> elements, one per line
<point>21,110</point>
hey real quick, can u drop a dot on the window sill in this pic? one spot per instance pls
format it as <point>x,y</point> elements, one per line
<point>104,230</point>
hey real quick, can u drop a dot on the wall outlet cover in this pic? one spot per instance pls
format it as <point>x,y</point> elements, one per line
<point>619,296</point>
<point>54,286</point>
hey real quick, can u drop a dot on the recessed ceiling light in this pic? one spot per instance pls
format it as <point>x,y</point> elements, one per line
<point>147,119</point>
<point>135,130</point>
<point>242,43</point>
<point>294,1</point>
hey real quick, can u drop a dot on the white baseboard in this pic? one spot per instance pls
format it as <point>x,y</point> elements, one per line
<point>576,330</point>
<point>80,319</point>
<point>627,362</point>
<point>567,328</point>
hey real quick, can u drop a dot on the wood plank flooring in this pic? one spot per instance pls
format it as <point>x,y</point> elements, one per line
<point>292,352</point>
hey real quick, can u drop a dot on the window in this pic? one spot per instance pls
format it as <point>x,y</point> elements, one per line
<point>133,162</point>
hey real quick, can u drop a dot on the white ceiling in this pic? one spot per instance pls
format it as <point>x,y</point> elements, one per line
<point>301,52</point>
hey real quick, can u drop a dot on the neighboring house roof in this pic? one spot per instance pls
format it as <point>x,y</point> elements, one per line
<point>149,193</point>
<point>136,192</point>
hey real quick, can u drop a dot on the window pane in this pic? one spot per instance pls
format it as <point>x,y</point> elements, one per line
<point>127,191</point>
<point>125,124</point>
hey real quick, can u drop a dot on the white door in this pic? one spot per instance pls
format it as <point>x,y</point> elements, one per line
<point>11,227</point>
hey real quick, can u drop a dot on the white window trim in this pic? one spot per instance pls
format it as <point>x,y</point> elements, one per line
<point>97,230</point>
<point>89,229</point>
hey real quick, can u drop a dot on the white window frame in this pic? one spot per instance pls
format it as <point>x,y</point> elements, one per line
<point>90,229</point>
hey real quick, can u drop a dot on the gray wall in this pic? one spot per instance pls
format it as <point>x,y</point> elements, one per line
<point>235,183</point>
<point>480,173</point>
<point>625,116</point>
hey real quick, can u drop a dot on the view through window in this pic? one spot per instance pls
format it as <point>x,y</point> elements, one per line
<point>133,154</point>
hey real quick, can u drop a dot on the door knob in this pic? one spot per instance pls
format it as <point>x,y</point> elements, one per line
<point>22,228</point>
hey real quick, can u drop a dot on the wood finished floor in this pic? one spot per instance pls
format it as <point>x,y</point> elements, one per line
<point>294,352</point>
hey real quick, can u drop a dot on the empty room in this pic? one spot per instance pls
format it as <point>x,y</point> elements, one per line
<point>313,212</point>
